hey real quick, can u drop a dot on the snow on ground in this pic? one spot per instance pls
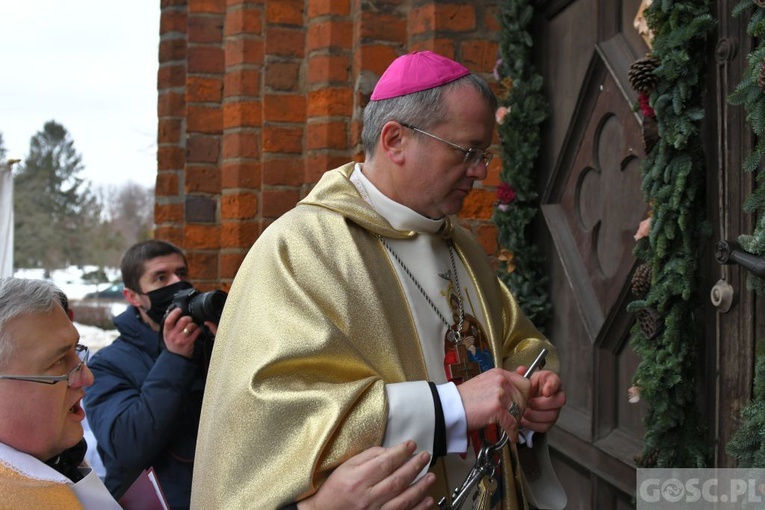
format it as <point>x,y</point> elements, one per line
<point>70,281</point>
<point>94,337</point>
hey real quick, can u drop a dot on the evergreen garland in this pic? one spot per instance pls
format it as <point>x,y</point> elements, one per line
<point>748,443</point>
<point>673,184</point>
<point>750,94</point>
<point>522,111</point>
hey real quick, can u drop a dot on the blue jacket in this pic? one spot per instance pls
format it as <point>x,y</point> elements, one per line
<point>144,409</point>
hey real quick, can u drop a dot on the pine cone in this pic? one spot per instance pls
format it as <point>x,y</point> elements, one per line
<point>641,75</point>
<point>649,461</point>
<point>650,322</point>
<point>641,280</point>
<point>761,76</point>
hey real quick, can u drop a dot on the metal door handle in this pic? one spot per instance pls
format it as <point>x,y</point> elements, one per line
<point>730,252</point>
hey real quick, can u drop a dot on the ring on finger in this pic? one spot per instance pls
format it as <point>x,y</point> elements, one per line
<point>515,411</point>
<point>187,332</point>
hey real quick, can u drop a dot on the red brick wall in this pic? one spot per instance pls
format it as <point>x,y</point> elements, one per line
<point>257,98</point>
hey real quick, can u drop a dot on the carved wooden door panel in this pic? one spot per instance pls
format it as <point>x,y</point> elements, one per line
<point>589,182</point>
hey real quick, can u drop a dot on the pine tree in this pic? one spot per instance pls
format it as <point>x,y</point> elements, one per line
<point>55,211</point>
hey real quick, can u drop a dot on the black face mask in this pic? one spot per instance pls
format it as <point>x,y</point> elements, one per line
<point>162,298</point>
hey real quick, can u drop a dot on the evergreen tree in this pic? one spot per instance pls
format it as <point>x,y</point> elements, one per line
<point>55,211</point>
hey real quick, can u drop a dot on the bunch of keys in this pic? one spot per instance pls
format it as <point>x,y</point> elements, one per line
<point>486,464</point>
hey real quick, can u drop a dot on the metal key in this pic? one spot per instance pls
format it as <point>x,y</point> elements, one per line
<point>462,492</point>
<point>483,466</point>
<point>486,488</point>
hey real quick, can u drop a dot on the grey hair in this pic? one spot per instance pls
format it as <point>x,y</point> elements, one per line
<point>19,297</point>
<point>423,109</point>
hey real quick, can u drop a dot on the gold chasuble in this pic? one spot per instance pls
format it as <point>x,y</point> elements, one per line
<point>18,491</point>
<point>315,326</point>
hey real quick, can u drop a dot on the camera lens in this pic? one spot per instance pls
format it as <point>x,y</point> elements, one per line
<point>207,306</point>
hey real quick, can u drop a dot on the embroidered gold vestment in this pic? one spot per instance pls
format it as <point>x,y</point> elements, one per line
<point>316,324</point>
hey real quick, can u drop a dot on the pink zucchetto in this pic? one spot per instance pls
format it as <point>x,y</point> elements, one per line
<point>414,72</point>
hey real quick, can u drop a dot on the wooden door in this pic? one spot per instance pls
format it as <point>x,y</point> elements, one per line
<point>731,334</point>
<point>589,181</point>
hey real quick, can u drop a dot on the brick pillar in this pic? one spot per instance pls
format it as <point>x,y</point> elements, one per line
<point>284,108</point>
<point>241,174</point>
<point>258,98</point>
<point>380,35</point>
<point>204,125</point>
<point>171,113</point>
<point>329,87</point>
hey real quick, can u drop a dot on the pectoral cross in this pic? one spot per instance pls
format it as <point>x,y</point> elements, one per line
<point>464,369</point>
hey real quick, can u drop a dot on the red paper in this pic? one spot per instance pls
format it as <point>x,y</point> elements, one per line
<point>144,494</point>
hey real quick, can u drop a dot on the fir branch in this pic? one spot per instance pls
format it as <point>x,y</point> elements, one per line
<point>673,183</point>
<point>748,443</point>
<point>519,133</point>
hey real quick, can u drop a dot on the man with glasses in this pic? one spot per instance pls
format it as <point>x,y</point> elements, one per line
<point>344,325</point>
<point>43,375</point>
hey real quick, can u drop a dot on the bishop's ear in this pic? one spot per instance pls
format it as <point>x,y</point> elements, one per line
<point>393,141</point>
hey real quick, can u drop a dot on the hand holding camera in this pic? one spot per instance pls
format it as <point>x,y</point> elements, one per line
<point>200,306</point>
<point>190,315</point>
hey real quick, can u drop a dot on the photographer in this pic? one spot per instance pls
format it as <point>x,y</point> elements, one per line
<point>144,405</point>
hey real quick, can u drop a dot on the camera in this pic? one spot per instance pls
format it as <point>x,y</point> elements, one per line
<point>201,306</point>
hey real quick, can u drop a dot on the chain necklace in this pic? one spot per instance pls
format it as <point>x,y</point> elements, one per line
<point>454,336</point>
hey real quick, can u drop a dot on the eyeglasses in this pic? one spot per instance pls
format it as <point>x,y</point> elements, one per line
<point>73,378</point>
<point>472,156</point>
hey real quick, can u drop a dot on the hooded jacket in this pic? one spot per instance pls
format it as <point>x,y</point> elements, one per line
<point>144,409</point>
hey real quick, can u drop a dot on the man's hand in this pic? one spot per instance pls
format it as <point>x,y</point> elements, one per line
<point>488,396</point>
<point>377,478</point>
<point>180,333</point>
<point>546,402</point>
<point>212,327</point>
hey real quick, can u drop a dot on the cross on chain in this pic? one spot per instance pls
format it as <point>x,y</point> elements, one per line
<point>464,369</point>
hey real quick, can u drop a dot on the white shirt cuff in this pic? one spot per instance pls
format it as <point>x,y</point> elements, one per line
<point>454,418</point>
<point>411,415</point>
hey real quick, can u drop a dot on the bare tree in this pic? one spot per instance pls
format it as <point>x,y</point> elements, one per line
<point>127,218</point>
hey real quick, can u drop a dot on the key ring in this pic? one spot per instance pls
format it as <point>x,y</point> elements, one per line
<point>485,464</point>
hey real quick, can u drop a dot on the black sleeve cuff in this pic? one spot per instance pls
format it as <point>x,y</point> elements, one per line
<point>439,438</point>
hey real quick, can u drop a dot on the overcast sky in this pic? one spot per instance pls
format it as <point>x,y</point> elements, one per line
<point>90,65</point>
